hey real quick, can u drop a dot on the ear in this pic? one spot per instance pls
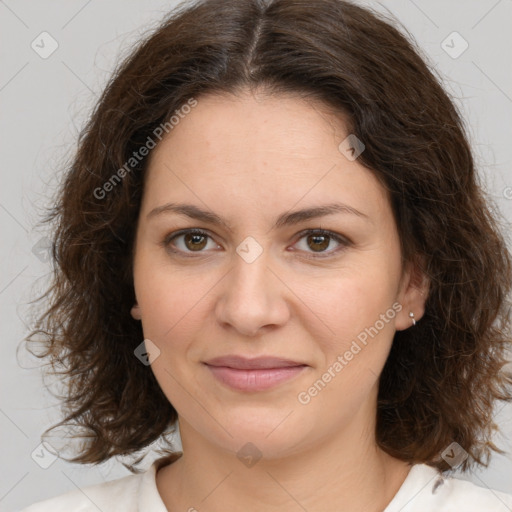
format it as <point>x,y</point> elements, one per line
<point>135,312</point>
<point>413,294</point>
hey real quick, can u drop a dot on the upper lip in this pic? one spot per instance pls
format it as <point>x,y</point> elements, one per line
<point>244,363</point>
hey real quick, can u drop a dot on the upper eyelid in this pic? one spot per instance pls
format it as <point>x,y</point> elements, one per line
<point>301,234</point>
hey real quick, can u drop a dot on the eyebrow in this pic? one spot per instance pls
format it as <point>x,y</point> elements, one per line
<point>285,219</point>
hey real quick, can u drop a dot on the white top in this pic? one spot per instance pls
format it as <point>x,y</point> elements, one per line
<point>424,490</point>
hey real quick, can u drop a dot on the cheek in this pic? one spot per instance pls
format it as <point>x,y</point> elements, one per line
<point>361,312</point>
<point>173,309</point>
<point>357,309</point>
<point>171,299</point>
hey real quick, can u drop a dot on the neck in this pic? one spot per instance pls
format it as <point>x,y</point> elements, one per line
<point>348,472</point>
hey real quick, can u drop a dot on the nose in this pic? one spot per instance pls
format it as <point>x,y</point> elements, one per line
<point>252,298</point>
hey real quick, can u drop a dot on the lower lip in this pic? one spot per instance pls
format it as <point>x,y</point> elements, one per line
<point>254,380</point>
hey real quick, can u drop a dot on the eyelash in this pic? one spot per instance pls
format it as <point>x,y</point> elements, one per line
<point>344,242</point>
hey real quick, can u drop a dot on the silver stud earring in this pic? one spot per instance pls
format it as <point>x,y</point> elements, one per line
<point>411,315</point>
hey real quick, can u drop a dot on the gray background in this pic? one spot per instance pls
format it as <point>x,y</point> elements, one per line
<point>44,103</point>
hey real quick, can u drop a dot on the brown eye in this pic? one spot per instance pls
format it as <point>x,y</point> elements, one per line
<point>318,243</point>
<point>321,243</point>
<point>187,242</point>
<point>194,241</point>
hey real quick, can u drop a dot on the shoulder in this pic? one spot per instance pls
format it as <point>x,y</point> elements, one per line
<point>132,493</point>
<point>426,489</point>
<point>120,494</point>
<point>461,493</point>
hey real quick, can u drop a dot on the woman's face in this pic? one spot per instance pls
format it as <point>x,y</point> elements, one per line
<point>258,282</point>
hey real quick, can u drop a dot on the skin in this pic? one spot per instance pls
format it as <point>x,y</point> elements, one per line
<point>250,158</point>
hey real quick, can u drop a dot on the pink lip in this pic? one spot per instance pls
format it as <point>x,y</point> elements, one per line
<point>256,374</point>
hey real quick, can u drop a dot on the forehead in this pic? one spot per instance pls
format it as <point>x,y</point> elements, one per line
<point>260,149</point>
<point>259,122</point>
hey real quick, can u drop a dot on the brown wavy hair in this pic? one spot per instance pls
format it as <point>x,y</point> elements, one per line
<point>443,377</point>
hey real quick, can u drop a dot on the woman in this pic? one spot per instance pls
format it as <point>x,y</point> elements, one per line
<point>272,237</point>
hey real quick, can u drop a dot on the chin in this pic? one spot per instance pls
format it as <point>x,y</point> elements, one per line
<point>269,434</point>
<point>258,446</point>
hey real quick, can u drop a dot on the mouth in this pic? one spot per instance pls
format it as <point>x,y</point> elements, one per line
<point>258,374</point>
